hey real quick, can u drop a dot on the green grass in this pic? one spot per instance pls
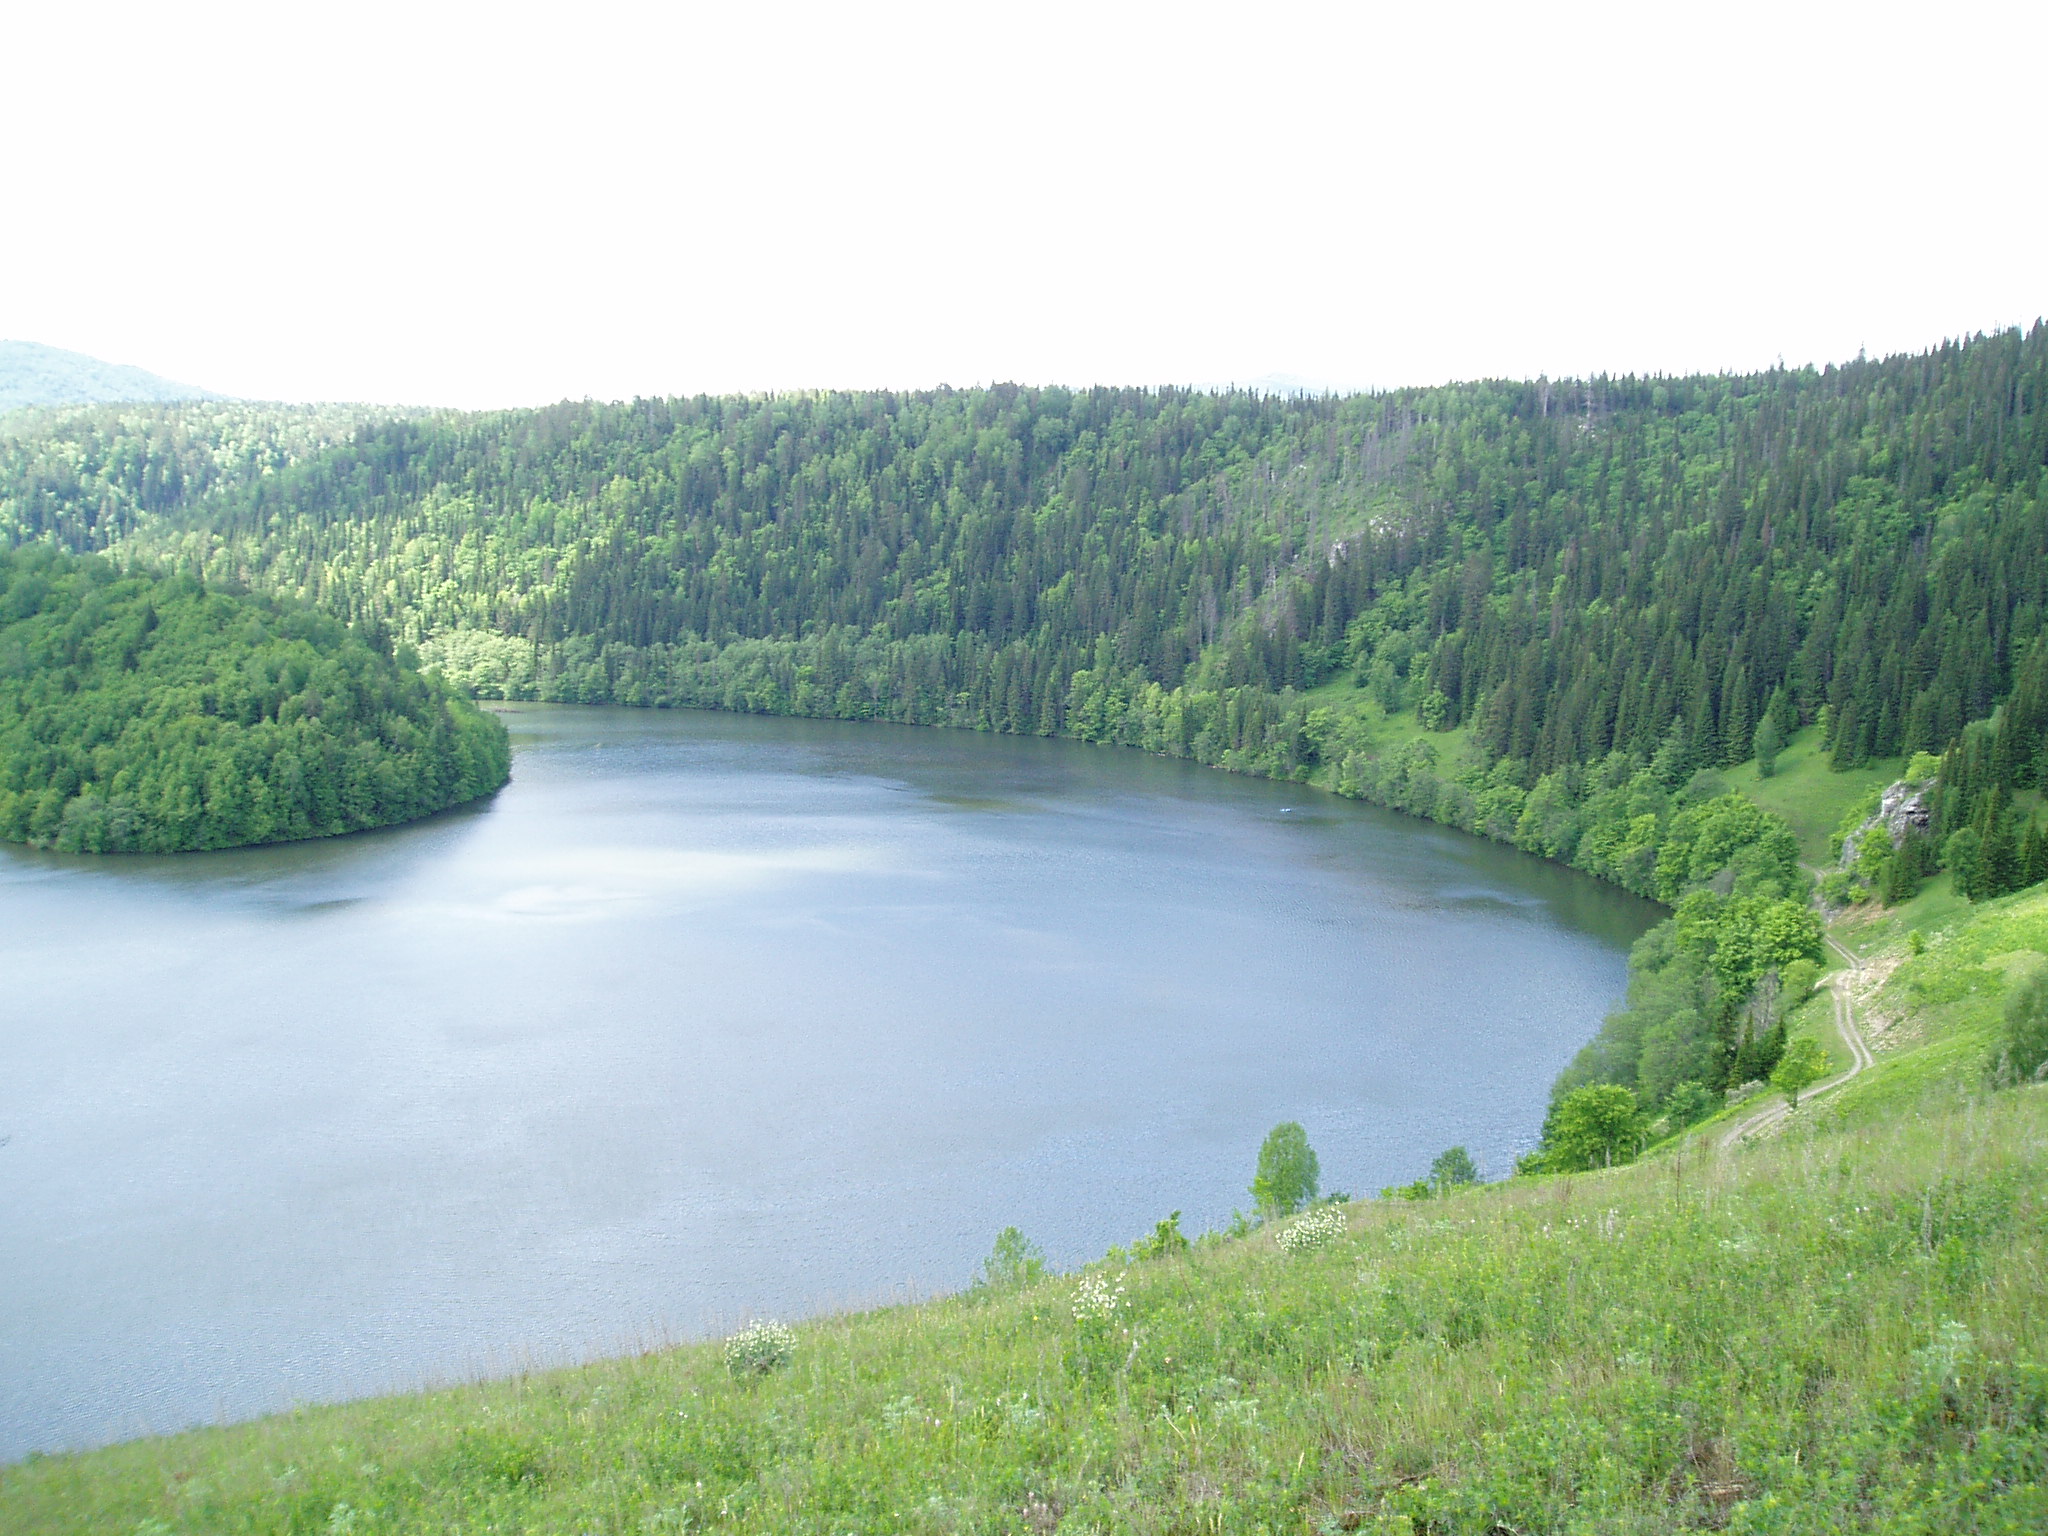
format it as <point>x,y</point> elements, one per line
<point>1837,1331</point>
<point>1871,929</point>
<point>1380,731</point>
<point>1934,1020</point>
<point>1809,794</point>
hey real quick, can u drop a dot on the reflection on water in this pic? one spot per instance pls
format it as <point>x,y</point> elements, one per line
<point>707,1017</point>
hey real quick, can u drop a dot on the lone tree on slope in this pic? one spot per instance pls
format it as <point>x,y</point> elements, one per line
<point>1452,1168</point>
<point>1288,1171</point>
<point>1804,1063</point>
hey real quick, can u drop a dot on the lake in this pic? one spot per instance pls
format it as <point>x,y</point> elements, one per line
<point>707,1018</point>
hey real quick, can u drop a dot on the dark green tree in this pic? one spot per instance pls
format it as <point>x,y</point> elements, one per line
<point>1768,743</point>
<point>1452,1168</point>
<point>1963,856</point>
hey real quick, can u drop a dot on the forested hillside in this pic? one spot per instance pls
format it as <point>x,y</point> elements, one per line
<point>151,715</point>
<point>1493,603</point>
<point>1566,568</point>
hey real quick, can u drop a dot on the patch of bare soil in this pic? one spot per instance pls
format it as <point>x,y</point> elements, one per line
<point>1884,1028</point>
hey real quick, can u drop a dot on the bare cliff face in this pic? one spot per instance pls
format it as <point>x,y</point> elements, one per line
<point>1902,808</point>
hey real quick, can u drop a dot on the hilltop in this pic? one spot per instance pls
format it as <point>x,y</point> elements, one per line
<point>1557,570</point>
<point>33,374</point>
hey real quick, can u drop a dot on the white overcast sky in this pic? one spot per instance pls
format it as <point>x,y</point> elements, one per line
<point>497,204</point>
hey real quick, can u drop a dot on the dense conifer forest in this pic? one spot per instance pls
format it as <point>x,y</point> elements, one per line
<point>140,714</point>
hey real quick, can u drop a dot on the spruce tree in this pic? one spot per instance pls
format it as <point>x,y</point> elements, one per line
<point>1768,743</point>
<point>1963,856</point>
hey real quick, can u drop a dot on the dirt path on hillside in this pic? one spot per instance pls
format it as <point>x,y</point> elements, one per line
<point>1842,984</point>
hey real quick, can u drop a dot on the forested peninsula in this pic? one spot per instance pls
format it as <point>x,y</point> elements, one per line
<point>143,714</point>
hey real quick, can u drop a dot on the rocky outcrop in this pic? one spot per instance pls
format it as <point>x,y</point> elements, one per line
<point>1901,809</point>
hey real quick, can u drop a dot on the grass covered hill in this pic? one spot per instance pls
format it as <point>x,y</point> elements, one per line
<point>144,714</point>
<point>1843,1328</point>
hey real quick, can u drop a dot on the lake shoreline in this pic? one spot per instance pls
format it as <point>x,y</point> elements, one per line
<point>706,1016</point>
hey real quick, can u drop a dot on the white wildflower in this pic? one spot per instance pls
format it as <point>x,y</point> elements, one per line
<point>1315,1229</point>
<point>759,1348</point>
<point>1020,1412</point>
<point>1941,1364</point>
<point>1097,1298</point>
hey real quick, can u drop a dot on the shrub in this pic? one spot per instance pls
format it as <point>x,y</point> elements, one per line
<point>1799,977</point>
<point>1014,1261</point>
<point>2022,1049</point>
<point>1166,1240</point>
<point>759,1348</point>
<point>1689,1103</point>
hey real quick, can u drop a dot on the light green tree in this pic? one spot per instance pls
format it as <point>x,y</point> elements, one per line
<point>1016,1260</point>
<point>1804,1063</point>
<point>1592,1127</point>
<point>1288,1173</point>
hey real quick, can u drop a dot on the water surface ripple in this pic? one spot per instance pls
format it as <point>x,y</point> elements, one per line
<point>707,1017</point>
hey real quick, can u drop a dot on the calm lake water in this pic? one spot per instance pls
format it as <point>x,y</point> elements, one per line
<point>710,1017</point>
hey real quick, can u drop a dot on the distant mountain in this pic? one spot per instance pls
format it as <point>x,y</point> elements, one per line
<point>33,374</point>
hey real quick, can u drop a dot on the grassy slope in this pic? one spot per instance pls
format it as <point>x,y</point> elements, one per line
<point>1934,1017</point>
<point>1809,794</point>
<point>1832,1332</point>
